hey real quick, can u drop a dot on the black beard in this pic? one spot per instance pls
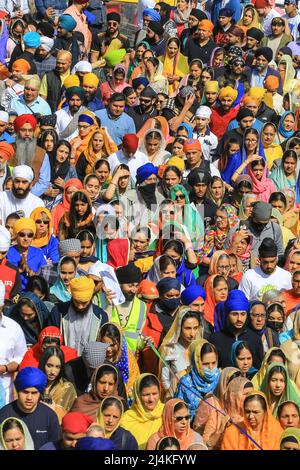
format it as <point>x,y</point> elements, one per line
<point>82,312</point>
<point>73,109</point>
<point>129,296</point>
<point>20,196</point>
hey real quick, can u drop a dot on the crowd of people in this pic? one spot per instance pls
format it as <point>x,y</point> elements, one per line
<point>150,230</point>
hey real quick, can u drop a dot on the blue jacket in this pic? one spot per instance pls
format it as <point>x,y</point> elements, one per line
<point>50,251</point>
<point>234,5</point>
<point>42,5</point>
<point>185,275</point>
<point>35,260</point>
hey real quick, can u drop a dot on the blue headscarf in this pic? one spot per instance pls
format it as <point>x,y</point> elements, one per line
<point>192,293</point>
<point>168,283</point>
<point>94,443</point>
<point>153,14</point>
<point>264,329</point>
<point>236,301</point>
<point>188,128</point>
<point>31,377</point>
<point>250,373</point>
<point>281,129</point>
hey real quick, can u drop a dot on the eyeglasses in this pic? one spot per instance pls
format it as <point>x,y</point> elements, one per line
<point>181,418</point>
<point>23,235</point>
<point>40,221</point>
<point>179,197</point>
<point>223,268</point>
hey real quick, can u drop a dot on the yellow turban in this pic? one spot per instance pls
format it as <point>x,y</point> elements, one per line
<point>82,288</point>
<point>212,85</point>
<point>257,92</point>
<point>90,79</point>
<point>229,92</point>
<point>24,224</point>
<point>71,80</point>
<point>176,161</point>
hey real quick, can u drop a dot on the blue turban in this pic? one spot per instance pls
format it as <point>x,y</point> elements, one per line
<point>32,40</point>
<point>153,14</point>
<point>94,443</point>
<point>86,118</point>
<point>136,82</point>
<point>145,171</point>
<point>67,22</point>
<point>236,301</point>
<point>192,293</point>
<point>168,283</point>
<point>31,377</point>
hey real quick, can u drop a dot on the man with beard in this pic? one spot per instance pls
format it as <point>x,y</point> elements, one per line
<point>31,100</point>
<point>52,81</point>
<point>131,315</point>
<point>90,83</point>
<point>67,118</point>
<point>19,198</point>
<point>155,38</point>
<point>112,32</point>
<point>27,152</point>
<point>261,70</point>
<point>149,14</point>
<point>200,45</point>
<point>145,110</point>
<point>199,180</point>
<point>69,40</point>
<point>253,38</point>
<point>255,282</point>
<point>44,60</point>
<point>79,319</point>
<point>225,112</point>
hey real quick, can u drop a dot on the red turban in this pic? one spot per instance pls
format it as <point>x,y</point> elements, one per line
<point>25,119</point>
<point>6,150</point>
<point>191,144</point>
<point>261,4</point>
<point>76,423</point>
<point>130,142</point>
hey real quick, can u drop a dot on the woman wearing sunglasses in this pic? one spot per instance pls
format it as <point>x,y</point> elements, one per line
<point>44,237</point>
<point>27,258</point>
<point>176,423</point>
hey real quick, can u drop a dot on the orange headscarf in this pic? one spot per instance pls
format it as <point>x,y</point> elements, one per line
<point>60,209</point>
<point>108,148</point>
<point>210,302</point>
<point>35,215</point>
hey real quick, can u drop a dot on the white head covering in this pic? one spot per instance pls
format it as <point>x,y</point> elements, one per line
<point>23,171</point>
<point>47,43</point>
<point>108,275</point>
<point>5,239</point>
<point>203,112</point>
<point>82,66</point>
<point>4,116</point>
<point>2,293</point>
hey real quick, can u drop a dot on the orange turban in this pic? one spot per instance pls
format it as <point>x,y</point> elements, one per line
<point>21,66</point>
<point>25,119</point>
<point>6,151</point>
<point>207,25</point>
<point>228,91</point>
<point>272,83</point>
<point>250,99</point>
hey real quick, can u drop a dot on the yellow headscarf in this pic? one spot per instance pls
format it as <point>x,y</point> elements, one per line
<point>177,65</point>
<point>257,380</point>
<point>140,422</point>
<point>255,23</point>
<point>35,215</point>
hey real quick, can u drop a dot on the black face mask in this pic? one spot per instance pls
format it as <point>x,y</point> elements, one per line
<point>275,325</point>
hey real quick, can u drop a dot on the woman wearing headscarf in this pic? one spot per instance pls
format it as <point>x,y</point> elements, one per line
<point>216,288</point>
<point>290,439</point>
<point>263,186</point>
<point>87,124</point>
<point>250,19</point>
<point>16,30</point>
<point>153,146</point>
<point>216,191</point>
<point>66,270</point>
<point>44,237</point>
<point>271,143</point>
<point>219,263</point>
<point>278,387</point>
<point>242,358</point>
<point>79,217</point>
<point>202,376</point>
<point>264,429</point>
<point>181,15</point>
<point>119,354</point>
<point>175,65</point>
<point>240,246</point>
<point>144,418</point>
<point>176,250</point>
<point>274,354</point>
<point>286,127</point>
<point>291,351</point>
<point>176,423</point>
<point>287,72</point>
<point>215,237</point>
<point>100,146</point>
<point>109,417</point>
<point>291,213</point>
<point>115,85</point>
<point>287,174</point>
<point>104,383</point>
<point>174,348</point>
<point>15,435</point>
<point>70,188</point>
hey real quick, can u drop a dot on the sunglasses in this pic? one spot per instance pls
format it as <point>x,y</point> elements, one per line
<point>112,23</point>
<point>277,23</point>
<point>181,418</point>
<point>142,100</point>
<point>180,197</point>
<point>40,221</point>
<point>28,235</point>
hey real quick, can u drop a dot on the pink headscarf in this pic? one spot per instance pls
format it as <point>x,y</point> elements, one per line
<point>263,188</point>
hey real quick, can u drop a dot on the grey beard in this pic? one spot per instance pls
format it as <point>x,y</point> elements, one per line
<point>25,150</point>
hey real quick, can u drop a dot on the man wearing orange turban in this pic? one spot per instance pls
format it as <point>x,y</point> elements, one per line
<point>21,66</point>
<point>201,47</point>
<point>81,320</point>
<point>6,153</point>
<point>225,112</point>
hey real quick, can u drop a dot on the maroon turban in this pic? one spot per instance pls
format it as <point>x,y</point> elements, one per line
<point>130,142</point>
<point>25,119</point>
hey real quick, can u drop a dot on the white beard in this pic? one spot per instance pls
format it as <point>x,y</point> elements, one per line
<point>25,151</point>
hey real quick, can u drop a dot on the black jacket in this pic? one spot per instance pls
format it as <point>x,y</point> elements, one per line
<point>225,339</point>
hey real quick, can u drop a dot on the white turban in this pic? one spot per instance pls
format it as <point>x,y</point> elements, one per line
<point>5,239</point>
<point>4,116</point>
<point>82,66</point>
<point>203,112</point>
<point>47,43</point>
<point>2,294</point>
<point>23,171</point>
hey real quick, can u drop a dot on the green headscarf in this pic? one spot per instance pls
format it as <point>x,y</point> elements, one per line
<point>291,432</point>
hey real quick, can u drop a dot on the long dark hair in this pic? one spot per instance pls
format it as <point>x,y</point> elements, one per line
<point>73,215</point>
<point>40,284</point>
<point>49,352</point>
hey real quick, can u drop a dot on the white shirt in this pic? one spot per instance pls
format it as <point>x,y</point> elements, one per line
<point>266,22</point>
<point>209,143</point>
<point>255,283</point>
<point>293,24</point>
<point>12,349</point>
<point>64,117</point>
<point>9,204</point>
<point>138,159</point>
